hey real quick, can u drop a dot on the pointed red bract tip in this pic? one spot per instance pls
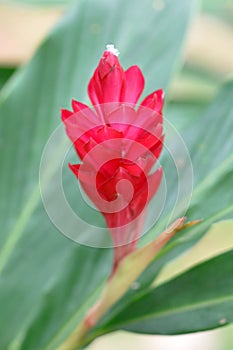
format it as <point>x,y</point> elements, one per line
<point>133,86</point>
<point>74,168</point>
<point>78,106</point>
<point>65,113</point>
<point>154,101</point>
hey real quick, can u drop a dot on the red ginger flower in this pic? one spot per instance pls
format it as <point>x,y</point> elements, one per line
<point>118,145</point>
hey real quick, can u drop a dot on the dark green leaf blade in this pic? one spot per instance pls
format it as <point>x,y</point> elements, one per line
<point>199,299</point>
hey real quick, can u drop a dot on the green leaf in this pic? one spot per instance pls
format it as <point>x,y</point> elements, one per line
<point>199,299</point>
<point>47,282</point>
<point>183,114</point>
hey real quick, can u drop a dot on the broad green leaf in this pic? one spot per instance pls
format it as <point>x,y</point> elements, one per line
<point>199,299</point>
<point>47,282</point>
<point>183,114</point>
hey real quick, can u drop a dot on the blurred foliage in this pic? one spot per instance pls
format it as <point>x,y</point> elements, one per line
<point>219,8</point>
<point>40,2</point>
<point>5,74</point>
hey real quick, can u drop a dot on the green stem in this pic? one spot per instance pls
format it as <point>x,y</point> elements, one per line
<point>76,339</point>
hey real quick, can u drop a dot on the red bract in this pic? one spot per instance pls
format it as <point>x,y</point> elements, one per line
<point>118,144</point>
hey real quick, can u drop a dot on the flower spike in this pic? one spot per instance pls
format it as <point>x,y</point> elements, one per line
<point>118,143</point>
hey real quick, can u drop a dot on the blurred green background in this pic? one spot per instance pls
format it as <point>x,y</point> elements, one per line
<point>207,62</point>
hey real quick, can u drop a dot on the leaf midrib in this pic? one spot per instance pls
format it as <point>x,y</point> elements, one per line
<point>25,214</point>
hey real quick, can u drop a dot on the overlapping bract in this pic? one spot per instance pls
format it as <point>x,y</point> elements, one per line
<point>118,144</point>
